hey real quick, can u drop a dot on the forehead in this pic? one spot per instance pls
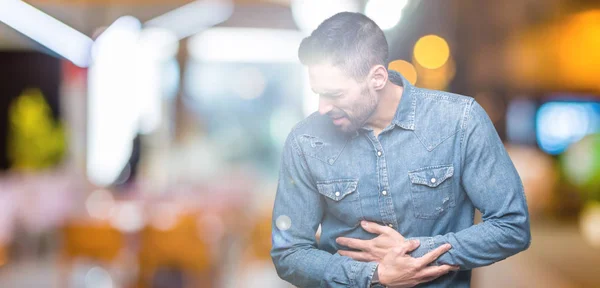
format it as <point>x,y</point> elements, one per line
<point>326,78</point>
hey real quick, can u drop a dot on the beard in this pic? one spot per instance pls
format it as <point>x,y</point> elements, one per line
<point>360,112</point>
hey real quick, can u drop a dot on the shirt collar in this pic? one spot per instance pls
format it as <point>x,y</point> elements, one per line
<point>405,113</point>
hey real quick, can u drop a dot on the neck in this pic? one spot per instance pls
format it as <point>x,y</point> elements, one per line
<point>389,98</point>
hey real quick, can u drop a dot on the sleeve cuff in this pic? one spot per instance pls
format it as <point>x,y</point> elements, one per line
<point>366,273</point>
<point>427,244</point>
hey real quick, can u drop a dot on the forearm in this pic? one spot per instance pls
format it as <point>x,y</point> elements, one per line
<point>311,267</point>
<point>479,245</point>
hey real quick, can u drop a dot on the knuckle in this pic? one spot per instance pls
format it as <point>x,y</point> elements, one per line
<point>414,266</point>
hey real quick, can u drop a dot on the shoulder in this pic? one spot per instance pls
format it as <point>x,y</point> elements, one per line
<point>316,136</point>
<point>439,114</point>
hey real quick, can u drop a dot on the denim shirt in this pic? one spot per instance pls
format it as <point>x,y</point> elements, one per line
<point>423,175</point>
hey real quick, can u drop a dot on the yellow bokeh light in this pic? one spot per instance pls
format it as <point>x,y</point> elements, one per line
<point>437,79</point>
<point>431,51</point>
<point>406,69</point>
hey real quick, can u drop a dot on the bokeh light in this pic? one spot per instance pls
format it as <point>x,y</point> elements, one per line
<point>406,69</point>
<point>559,124</point>
<point>127,217</point>
<point>283,222</point>
<point>581,166</point>
<point>100,204</point>
<point>437,79</point>
<point>165,216</point>
<point>589,224</point>
<point>539,176</point>
<point>386,13</point>
<point>308,14</point>
<point>98,277</point>
<point>431,51</point>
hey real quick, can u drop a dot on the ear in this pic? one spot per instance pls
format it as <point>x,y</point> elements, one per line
<point>378,77</point>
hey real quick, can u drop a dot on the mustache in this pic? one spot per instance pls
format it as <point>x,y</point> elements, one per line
<point>335,115</point>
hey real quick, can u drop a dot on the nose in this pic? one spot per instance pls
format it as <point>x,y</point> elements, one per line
<point>324,106</point>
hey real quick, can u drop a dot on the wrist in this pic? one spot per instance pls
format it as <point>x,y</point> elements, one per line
<point>375,283</point>
<point>381,275</point>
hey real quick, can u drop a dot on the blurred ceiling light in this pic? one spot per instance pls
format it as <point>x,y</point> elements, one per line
<point>308,14</point>
<point>431,51</point>
<point>112,107</point>
<point>246,45</point>
<point>125,28</point>
<point>386,13</point>
<point>42,28</point>
<point>405,68</point>
<point>158,43</point>
<point>127,81</point>
<point>194,17</point>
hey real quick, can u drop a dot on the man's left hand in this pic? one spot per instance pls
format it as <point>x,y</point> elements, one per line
<point>374,249</point>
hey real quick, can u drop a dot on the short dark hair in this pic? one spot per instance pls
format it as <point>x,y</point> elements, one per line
<point>350,41</point>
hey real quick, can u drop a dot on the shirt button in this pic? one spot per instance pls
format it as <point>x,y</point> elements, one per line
<point>391,226</point>
<point>378,153</point>
<point>337,194</point>
<point>384,192</point>
<point>433,180</point>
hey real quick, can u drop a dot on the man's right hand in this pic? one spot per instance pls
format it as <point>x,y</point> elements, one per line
<point>398,269</point>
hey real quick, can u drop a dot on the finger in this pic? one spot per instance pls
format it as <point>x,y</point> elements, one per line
<point>431,256</point>
<point>435,271</point>
<point>358,256</point>
<point>375,228</point>
<point>362,245</point>
<point>425,280</point>
<point>397,251</point>
<point>411,245</point>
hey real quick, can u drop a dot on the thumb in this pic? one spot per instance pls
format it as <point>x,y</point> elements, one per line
<point>373,227</point>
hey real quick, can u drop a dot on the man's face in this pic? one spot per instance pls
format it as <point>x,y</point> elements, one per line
<point>346,101</point>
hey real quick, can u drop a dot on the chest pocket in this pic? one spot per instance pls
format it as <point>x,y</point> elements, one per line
<point>343,199</point>
<point>431,190</point>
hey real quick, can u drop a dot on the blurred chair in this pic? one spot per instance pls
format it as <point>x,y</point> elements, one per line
<point>99,242</point>
<point>177,250</point>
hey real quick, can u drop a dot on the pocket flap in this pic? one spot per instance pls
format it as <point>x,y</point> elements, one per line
<point>337,189</point>
<point>431,176</point>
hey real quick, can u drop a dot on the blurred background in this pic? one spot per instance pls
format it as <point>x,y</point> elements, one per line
<point>140,139</point>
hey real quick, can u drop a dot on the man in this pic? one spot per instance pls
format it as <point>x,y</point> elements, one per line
<point>392,173</point>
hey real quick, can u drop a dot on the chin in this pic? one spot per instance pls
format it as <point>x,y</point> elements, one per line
<point>347,129</point>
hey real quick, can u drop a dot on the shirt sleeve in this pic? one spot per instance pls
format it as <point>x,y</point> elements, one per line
<point>494,187</point>
<point>297,213</point>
